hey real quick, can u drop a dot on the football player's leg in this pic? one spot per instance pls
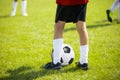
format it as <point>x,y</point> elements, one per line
<point>82,31</point>
<point>58,41</point>
<point>24,7</point>
<point>14,8</point>
<point>57,46</point>
<point>83,36</point>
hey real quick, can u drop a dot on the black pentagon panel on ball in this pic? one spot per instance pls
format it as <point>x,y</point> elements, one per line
<point>66,49</point>
<point>71,60</point>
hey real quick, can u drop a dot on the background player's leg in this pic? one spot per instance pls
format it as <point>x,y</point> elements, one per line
<point>114,5</point>
<point>108,11</point>
<point>119,12</point>
<point>14,8</point>
<point>24,7</point>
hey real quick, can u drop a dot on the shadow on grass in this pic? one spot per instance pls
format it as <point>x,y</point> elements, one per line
<point>89,26</point>
<point>26,73</point>
<point>8,16</point>
<point>96,25</point>
<point>5,16</point>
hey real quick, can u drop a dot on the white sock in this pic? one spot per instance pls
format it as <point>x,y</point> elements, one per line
<point>84,54</point>
<point>115,4</point>
<point>14,6</point>
<point>57,46</point>
<point>24,6</point>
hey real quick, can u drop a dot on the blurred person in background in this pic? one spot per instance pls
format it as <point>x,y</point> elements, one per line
<point>23,7</point>
<point>111,10</point>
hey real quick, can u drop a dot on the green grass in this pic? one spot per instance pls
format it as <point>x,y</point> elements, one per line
<point>26,43</point>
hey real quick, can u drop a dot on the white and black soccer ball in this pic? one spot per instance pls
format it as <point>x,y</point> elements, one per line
<point>67,55</point>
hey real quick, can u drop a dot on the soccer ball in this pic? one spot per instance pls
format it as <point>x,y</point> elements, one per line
<point>67,55</point>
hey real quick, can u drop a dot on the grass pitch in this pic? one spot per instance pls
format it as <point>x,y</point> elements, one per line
<point>26,43</point>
